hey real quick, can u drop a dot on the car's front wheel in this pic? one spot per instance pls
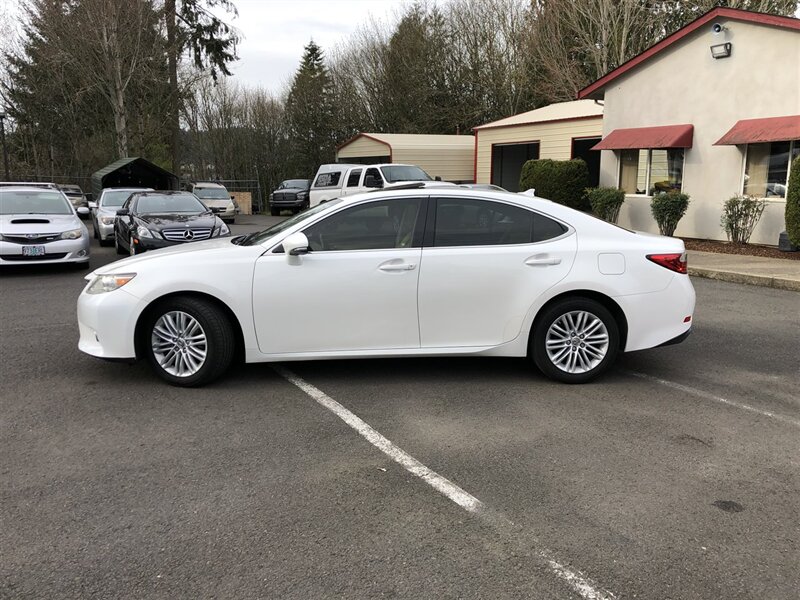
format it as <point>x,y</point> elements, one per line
<point>188,341</point>
<point>575,340</point>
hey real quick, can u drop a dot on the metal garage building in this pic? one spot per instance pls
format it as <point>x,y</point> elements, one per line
<point>447,156</point>
<point>559,131</point>
<point>133,172</point>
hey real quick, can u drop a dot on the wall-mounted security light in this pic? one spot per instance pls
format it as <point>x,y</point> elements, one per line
<point>721,50</point>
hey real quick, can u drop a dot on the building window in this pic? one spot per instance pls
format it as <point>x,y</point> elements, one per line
<point>766,169</point>
<point>649,172</point>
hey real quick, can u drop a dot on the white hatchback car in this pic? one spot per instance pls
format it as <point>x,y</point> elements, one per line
<point>427,271</point>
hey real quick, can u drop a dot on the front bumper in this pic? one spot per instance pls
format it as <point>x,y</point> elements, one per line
<point>58,252</point>
<point>144,244</point>
<point>107,324</point>
<point>105,232</point>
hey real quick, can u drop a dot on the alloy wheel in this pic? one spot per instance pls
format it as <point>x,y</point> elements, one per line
<point>577,342</point>
<point>179,343</point>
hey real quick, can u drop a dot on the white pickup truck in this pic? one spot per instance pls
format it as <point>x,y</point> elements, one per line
<point>337,180</point>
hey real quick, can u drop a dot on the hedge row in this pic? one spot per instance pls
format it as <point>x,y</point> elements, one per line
<point>562,181</point>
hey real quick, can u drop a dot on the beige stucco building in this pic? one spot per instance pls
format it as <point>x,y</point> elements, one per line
<point>713,110</point>
<point>447,156</point>
<point>560,131</point>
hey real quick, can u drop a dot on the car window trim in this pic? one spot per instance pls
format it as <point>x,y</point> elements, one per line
<point>430,223</point>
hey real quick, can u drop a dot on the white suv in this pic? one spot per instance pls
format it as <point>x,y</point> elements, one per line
<point>338,180</point>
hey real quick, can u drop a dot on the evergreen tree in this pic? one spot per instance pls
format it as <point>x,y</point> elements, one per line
<point>309,112</point>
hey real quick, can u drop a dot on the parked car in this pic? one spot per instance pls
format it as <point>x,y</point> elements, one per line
<point>216,197</point>
<point>401,272</point>
<point>39,225</point>
<point>291,194</point>
<point>104,212</point>
<point>339,180</point>
<point>157,219</point>
<point>76,196</point>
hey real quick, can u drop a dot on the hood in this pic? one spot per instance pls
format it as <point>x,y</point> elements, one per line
<point>24,223</point>
<point>194,250</point>
<point>168,221</point>
<point>291,190</point>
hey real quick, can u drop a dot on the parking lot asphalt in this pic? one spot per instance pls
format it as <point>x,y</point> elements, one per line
<point>674,476</point>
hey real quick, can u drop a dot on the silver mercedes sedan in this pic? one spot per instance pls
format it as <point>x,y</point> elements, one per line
<point>40,226</point>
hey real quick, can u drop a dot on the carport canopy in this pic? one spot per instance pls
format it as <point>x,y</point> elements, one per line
<point>666,136</point>
<point>754,131</point>
<point>133,172</point>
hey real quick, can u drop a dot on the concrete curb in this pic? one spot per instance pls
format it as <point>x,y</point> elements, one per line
<point>747,279</point>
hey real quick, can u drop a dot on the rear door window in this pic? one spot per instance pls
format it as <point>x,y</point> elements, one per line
<point>354,177</point>
<point>468,222</point>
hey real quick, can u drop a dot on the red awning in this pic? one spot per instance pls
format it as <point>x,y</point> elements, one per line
<point>667,136</point>
<point>753,131</point>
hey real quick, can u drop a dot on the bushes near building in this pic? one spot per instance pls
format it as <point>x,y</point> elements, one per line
<point>562,181</point>
<point>668,208</point>
<point>605,202</point>
<point>793,204</point>
<point>740,215</point>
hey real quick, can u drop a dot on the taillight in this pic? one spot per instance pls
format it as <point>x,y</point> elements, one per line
<point>673,262</point>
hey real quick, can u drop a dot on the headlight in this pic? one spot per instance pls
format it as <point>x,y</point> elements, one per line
<point>223,230</point>
<point>302,195</point>
<point>108,283</point>
<point>107,220</point>
<point>72,235</point>
<point>230,206</point>
<point>143,232</point>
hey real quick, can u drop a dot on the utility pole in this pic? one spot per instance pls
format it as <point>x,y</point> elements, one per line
<point>3,142</point>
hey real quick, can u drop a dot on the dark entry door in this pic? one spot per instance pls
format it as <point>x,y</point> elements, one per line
<point>582,148</point>
<point>507,161</point>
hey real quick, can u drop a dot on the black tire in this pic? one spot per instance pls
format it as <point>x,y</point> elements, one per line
<point>574,306</point>
<point>119,249</point>
<point>104,242</point>
<point>220,340</point>
<point>275,212</point>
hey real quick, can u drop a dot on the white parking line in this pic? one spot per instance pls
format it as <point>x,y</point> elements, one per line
<point>701,394</point>
<point>581,584</point>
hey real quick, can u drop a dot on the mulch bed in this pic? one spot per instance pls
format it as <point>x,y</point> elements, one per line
<point>745,249</point>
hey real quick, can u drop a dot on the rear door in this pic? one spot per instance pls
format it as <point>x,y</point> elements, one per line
<point>352,185</point>
<point>484,263</point>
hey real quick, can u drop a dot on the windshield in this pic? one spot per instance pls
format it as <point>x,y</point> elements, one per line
<point>257,238</point>
<point>116,198</point>
<point>169,203</point>
<point>34,203</point>
<point>294,183</point>
<point>212,193</point>
<point>395,174</point>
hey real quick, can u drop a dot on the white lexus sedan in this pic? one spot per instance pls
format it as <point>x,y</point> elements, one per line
<point>422,271</point>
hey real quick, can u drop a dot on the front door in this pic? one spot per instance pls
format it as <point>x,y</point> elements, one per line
<point>355,290</point>
<point>484,268</point>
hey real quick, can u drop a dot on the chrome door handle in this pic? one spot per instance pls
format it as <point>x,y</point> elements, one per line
<point>535,261</point>
<point>398,267</point>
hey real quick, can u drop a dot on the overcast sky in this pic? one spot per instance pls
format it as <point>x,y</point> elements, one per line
<point>275,31</point>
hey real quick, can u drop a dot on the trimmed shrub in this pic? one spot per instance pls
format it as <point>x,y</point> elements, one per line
<point>562,181</point>
<point>668,208</point>
<point>605,202</point>
<point>793,204</point>
<point>740,215</point>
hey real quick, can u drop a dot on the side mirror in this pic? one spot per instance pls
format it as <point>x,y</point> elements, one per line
<point>123,212</point>
<point>371,181</point>
<point>82,210</point>
<point>92,204</point>
<point>296,244</point>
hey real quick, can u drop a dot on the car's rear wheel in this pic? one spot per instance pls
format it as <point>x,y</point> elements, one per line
<point>189,342</point>
<point>575,340</point>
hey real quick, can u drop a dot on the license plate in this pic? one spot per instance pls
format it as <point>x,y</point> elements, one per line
<point>33,251</point>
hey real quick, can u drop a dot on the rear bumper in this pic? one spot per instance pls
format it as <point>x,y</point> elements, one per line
<point>677,339</point>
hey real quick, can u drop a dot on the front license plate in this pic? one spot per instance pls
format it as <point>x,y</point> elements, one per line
<point>33,251</point>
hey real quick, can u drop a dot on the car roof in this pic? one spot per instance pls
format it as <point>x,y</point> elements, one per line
<point>23,187</point>
<point>126,189</point>
<point>207,184</point>
<point>343,166</point>
<point>29,184</point>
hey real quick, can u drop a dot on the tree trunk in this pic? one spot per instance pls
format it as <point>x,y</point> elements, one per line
<point>172,63</point>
